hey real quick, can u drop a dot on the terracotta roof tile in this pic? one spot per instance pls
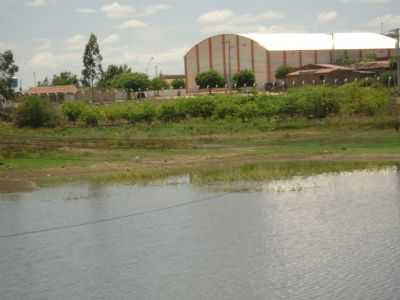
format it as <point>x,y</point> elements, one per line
<point>65,89</point>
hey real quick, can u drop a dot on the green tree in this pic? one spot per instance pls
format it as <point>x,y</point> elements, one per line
<point>111,72</point>
<point>178,84</point>
<point>65,78</point>
<point>209,80</point>
<point>244,78</point>
<point>393,63</point>
<point>283,71</point>
<point>7,72</point>
<point>131,82</point>
<point>158,84</point>
<point>45,82</point>
<point>92,63</point>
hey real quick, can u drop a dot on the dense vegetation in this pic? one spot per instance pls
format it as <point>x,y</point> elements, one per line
<point>308,102</point>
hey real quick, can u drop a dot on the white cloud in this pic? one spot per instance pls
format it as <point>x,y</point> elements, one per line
<point>327,16</point>
<point>48,59</point>
<point>132,24</point>
<point>227,21</point>
<point>76,42</point>
<point>111,39</point>
<point>118,11</point>
<point>388,20</point>
<point>152,10</point>
<point>215,16</point>
<point>37,3</point>
<point>86,10</point>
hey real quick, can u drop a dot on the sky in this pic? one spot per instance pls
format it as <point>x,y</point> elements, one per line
<point>49,36</point>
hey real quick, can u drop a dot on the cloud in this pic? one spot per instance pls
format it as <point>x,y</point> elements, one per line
<point>327,16</point>
<point>215,16</point>
<point>388,20</point>
<point>37,3</point>
<point>118,11</point>
<point>132,24</point>
<point>86,11</point>
<point>152,10</point>
<point>50,60</point>
<point>111,39</point>
<point>227,21</point>
<point>76,42</point>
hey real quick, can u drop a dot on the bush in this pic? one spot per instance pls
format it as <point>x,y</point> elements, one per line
<point>203,107</point>
<point>142,113</point>
<point>226,109</point>
<point>91,116</point>
<point>244,78</point>
<point>36,112</point>
<point>282,71</point>
<point>170,113</point>
<point>72,110</point>
<point>178,84</point>
<point>210,79</point>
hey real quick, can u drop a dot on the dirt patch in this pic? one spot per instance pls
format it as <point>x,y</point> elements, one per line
<point>8,186</point>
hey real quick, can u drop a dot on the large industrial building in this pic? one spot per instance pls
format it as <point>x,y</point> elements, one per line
<point>264,53</point>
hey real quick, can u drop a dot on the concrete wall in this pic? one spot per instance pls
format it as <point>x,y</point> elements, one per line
<point>221,51</point>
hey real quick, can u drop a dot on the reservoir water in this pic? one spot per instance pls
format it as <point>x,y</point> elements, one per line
<point>334,236</point>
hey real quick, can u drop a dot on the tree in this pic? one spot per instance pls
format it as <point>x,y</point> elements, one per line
<point>158,84</point>
<point>92,63</point>
<point>244,78</point>
<point>45,82</point>
<point>209,80</point>
<point>65,78</point>
<point>7,72</point>
<point>283,71</point>
<point>393,63</point>
<point>111,72</point>
<point>178,84</point>
<point>131,82</point>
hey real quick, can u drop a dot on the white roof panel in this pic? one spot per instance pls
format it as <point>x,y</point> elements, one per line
<point>321,41</point>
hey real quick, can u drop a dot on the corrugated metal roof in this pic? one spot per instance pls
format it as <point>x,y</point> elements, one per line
<point>321,41</point>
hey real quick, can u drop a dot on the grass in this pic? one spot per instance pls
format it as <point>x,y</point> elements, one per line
<point>208,150</point>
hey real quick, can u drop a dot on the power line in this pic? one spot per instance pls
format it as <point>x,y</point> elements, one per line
<point>112,219</point>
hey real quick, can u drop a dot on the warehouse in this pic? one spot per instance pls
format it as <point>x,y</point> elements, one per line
<point>264,53</point>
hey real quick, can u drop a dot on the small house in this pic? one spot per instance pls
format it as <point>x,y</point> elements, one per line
<point>55,93</point>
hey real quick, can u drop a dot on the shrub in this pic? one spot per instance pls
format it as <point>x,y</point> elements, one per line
<point>198,107</point>
<point>226,109</point>
<point>178,84</point>
<point>142,113</point>
<point>282,71</point>
<point>170,113</point>
<point>91,116</point>
<point>36,112</point>
<point>72,110</point>
<point>244,78</point>
<point>210,79</point>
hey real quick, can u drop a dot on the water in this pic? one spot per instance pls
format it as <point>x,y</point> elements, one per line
<point>325,237</point>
